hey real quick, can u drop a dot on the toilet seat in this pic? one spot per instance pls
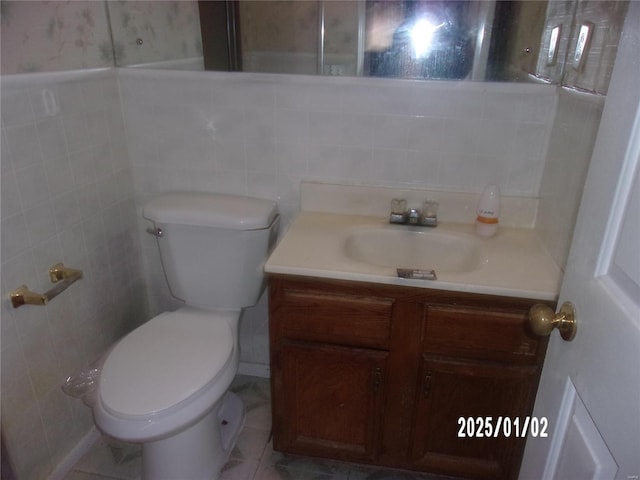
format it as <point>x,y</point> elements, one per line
<point>165,362</point>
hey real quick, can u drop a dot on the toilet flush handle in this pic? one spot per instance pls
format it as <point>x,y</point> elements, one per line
<point>156,232</point>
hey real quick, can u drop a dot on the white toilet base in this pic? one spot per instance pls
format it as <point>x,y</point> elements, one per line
<point>200,451</point>
<point>231,419</point>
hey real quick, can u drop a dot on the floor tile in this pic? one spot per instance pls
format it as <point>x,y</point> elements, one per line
<point>101,462</point>
<point>236,469</point>
<point>277,465</point>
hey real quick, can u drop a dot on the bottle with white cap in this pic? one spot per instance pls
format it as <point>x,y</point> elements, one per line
<point>488,211</point>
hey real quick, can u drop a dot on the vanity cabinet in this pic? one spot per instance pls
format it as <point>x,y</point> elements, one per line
<point>329,353</point>
<point>477,365</point>
<point>390,375</point>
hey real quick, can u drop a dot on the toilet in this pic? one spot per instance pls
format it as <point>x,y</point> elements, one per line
<point>165,384</point>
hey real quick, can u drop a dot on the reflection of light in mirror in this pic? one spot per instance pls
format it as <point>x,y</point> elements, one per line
<point>421,36</point>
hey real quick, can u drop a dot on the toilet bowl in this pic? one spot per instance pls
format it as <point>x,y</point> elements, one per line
<point>174,372</point>
<point>165,384</point>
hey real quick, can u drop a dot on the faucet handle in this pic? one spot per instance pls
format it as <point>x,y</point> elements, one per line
<point>398,211</point>
<point>430,213</point>
<point>430,208</point>
<point>398,205</point>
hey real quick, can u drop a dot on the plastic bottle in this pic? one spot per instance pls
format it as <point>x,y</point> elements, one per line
<point>488,211</point>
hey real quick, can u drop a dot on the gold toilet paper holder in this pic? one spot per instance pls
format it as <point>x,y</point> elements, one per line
<point>63,276</point>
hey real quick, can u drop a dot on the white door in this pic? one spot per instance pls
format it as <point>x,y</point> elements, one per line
<point>590,387</point>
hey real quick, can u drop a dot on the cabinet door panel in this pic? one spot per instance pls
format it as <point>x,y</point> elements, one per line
<point>332,402</point>
<point>471,390</point>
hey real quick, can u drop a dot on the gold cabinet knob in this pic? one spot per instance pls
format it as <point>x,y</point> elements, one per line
<point>543,320</point>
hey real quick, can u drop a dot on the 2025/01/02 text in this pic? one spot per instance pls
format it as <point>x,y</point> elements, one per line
<point>493,427</point>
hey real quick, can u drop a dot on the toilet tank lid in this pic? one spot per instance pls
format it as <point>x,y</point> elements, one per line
<point>236,212</point>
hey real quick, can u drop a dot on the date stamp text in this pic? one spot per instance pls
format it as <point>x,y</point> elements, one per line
<point>494,427</point>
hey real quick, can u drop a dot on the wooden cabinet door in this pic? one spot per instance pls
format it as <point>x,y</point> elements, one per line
<point>453,389</point>
<point>331,401</point>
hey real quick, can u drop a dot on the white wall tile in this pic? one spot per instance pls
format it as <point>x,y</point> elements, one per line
<point>466,104</point>
<point>326,127</point>
<point>40,222</point>
<point>431,100</point>
<point>571,141</point>
<point>22,146</point>
<point>52,138</point>
<point>391,131</point>
<point>98,127</point>
<point>424,166</point>
<point>425,134</point>
<point>32,185</point>
<point>72,244</point>
<point>15,236</point>
<point>66,210</point>
<point>261,157</point>
<point>234,182</point>
<point>355,163</point>
<point>293,158</point>
<point>71,98</point>
<point>291,96</point>
<point>258,125</point>
<point>10,190</point>
<point>59,175</point>
<point>6,165</point>
<point>262,185</point>
<point>53,209</point>
<point>323,98</point>
<point>389,166</point>
<point>357,129</point>
<point>291,126</point>
<point>16,106</point>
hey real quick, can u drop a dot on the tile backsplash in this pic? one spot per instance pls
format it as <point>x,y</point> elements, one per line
<point>261,134</point>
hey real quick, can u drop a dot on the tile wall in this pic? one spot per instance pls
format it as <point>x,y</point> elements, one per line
<point>262,134</point>
<point>77,164</point>
<point>67,196</point>
<point>574,132</point>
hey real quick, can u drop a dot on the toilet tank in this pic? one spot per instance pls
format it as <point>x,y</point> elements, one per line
<point>213,246</point>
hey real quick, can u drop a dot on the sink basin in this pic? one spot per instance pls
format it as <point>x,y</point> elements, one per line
<point>428,249</point>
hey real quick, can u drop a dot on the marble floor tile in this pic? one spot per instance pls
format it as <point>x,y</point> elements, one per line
<point>281,466</point>
<point>236,469</point>
<point>101,462</point>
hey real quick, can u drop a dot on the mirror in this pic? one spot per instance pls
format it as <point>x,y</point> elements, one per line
<point>481,40</point>
<point>414,39</point>
<point>402,39</point>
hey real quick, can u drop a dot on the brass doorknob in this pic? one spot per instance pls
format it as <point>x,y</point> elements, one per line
<point>543,320</point>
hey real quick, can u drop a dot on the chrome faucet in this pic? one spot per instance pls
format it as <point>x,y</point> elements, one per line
<point>427,217</point>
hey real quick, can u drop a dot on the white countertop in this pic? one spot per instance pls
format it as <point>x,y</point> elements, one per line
<point>513,263</point>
